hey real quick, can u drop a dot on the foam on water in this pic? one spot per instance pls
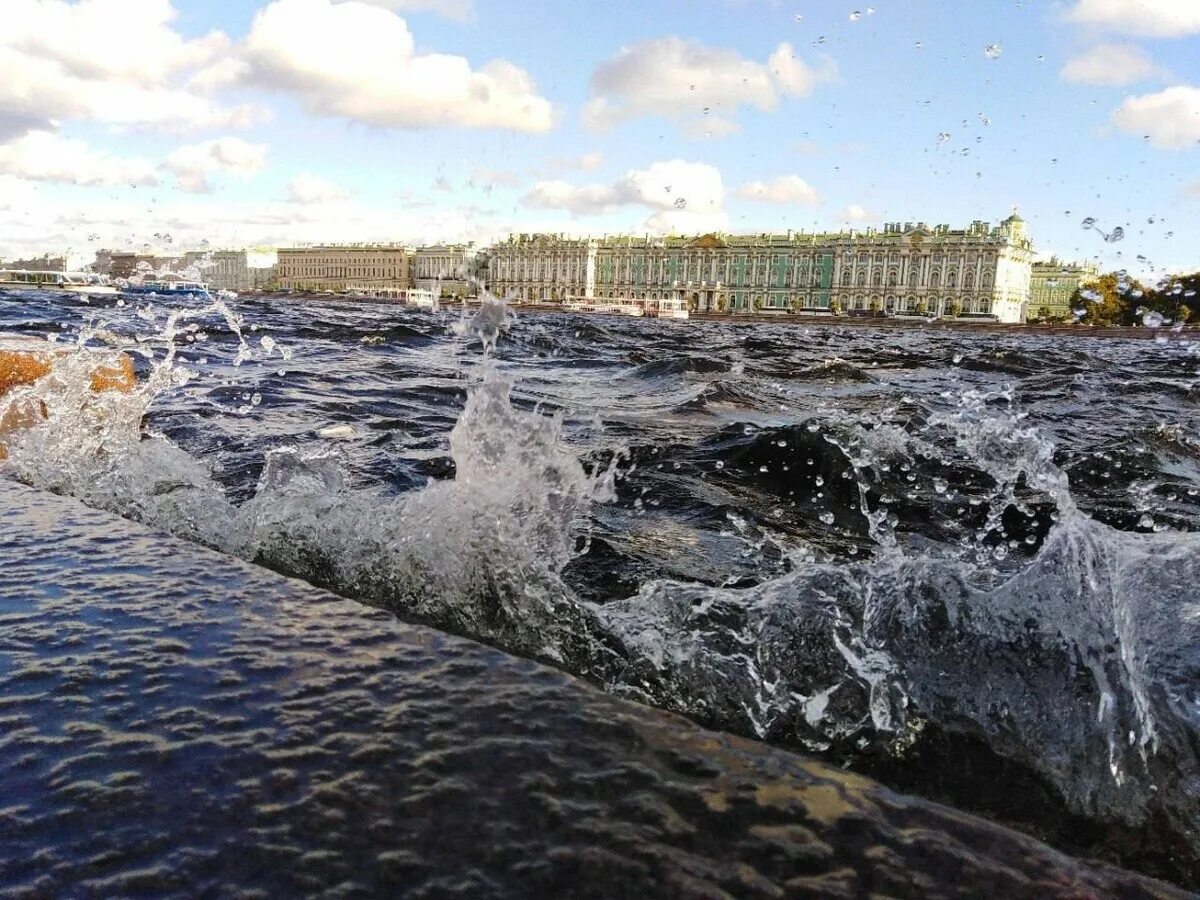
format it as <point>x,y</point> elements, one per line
<point>1077,659</point>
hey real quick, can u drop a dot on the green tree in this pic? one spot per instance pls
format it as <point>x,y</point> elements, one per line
<point>922,308</point>
<point>1111,299</point>
<point>835,306</point>
<point>1174,298</point>
<point>876,307</point>
<point>956,309</point>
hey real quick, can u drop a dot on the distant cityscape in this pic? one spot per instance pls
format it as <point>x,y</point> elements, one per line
<point>982,272</point>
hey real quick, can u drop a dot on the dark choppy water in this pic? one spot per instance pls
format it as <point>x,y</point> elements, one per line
<point>964,563</point>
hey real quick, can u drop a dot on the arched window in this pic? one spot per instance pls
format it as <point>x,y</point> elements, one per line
<point>846,278</point>
<point>914,276</point>
<point>935,277</point>
<point>893,277</point>
<point>987,280</point>
<point>862,279</point>
<point>969,281</point>
<point>952,279</point>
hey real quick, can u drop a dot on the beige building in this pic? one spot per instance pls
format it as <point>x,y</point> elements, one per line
<point>126,265</point>
<point>448,269</point>
<point>46,263</point>
<point>371,269</point>
<point>1053,284</point>
<point>542,268</point>
<point>233,270</point>
<point>977,272</point>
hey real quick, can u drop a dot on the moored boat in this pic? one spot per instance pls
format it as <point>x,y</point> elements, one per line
<point>80,283</point>
<point>672,308</point>
<point>614,307</point>
<point>168,286</point>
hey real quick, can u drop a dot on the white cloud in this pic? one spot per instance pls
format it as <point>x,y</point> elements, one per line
<point>1169,118</point>
<point>686,82</point>
<point>46,156</point>
<point>194,164</point>
<point>113,61</point>
<point>360,62</point>
<point>458,10</point>
<point>584,200</point>
<point>680,195</point>
<point>1111,64</point>
<point>1150,18</point>
<point>790,189</point>
<point>307,189</point>
<point>81,226</point>
<point>855,214</point>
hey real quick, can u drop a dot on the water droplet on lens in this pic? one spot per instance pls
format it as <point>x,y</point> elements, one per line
<point>943,137</point>
<point>827,518</point>
<point>1118,234</point>
<point>993,51</point>
<point>1089,222</point>
<point>855,16</point>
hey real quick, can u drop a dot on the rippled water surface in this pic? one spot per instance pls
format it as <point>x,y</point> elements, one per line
<point>964,563</point>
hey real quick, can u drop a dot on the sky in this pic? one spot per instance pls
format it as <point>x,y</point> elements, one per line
<point>169,124</point>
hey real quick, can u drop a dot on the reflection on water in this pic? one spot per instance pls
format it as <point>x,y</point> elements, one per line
<point>918,553</point>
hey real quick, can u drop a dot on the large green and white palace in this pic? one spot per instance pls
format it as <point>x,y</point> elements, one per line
<point>978,272</point>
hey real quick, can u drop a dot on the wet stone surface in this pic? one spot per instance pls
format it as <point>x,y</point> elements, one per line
<point>175,722</point>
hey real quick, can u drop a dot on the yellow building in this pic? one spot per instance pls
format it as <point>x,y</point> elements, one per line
<point>370,269</point>
<point>1054,283</point>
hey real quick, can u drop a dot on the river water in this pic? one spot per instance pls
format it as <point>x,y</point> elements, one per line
<point>962,563</point>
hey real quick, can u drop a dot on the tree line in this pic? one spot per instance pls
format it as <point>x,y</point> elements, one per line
<point>1119,299</point>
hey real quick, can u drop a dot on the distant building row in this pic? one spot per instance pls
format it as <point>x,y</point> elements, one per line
<point>977,272</point>
<point>980,271</point>
<point>372,269</point>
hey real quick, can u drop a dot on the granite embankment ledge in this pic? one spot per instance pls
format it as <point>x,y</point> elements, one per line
<point>176,722</point>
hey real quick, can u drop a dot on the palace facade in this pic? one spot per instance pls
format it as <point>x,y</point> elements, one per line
<point>1054,283</point>
<point>981,271</point>
<point>448,270</point>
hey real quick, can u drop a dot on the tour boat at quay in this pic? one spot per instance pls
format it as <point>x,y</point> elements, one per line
<point>81,283</point>
<point>169,287</point>
<point>673,308</point>
<point>612,308</point>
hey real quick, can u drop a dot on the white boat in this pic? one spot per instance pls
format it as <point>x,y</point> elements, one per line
<point>420,298</point>
<point>80,283</point>
<point>614,307</point>
<point>673,308</point>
